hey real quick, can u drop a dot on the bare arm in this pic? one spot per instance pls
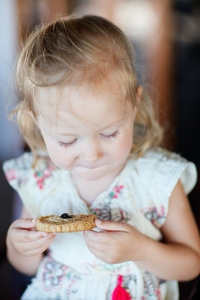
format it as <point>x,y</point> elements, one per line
<point>179,256</point>
<point>25,245</point>
<point>176,259</point>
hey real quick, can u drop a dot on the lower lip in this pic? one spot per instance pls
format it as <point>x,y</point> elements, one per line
<point>91,168</point>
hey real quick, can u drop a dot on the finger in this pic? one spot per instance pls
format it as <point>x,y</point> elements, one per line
<point>95,239</point>
<point>28,223</point>
<point>36,235</point>
<point>98,247</point>
<point>104,256</point>
<point>111,225</point>
<point>43,243</point>
<point>26,235</point>
<point>36,246</point>
<point>98,254</point>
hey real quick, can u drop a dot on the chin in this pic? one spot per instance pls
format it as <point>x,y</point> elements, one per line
<point>90,174</point>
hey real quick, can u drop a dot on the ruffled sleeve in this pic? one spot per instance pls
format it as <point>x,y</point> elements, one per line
<point>17,171</point>
<point>31,184</point>
<point>159,172</point>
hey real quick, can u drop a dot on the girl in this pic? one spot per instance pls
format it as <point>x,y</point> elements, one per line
<point>94,142</point>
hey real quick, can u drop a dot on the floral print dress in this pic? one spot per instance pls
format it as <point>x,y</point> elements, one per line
<point>139,195</point>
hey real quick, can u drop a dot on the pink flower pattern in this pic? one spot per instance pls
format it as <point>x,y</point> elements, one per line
<point>116,191</point>
<point>109,209</point>
<point>42,175</point>
<point>154,215</point>
<point>151,286</point>
<point>11,174</point>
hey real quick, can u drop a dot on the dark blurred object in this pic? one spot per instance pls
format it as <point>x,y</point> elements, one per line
<point>185,5</point>
<point>190,290</point>
<point>187,103</point>
<point>12,283</point>
<point>187,89</point>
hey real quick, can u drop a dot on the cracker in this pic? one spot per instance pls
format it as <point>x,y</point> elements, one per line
<point>66,223</point>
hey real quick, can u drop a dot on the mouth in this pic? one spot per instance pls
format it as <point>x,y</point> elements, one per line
<point>90,167</point>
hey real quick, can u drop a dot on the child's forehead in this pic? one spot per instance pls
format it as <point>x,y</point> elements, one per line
<point>75,96</point>
<point>82,103</point>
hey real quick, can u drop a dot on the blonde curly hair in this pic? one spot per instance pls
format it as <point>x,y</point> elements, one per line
<point>69,51</point>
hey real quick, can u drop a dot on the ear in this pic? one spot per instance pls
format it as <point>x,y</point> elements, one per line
<point>139,94</point>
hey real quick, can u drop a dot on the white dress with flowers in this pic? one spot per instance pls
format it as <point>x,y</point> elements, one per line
<point>138,196</point>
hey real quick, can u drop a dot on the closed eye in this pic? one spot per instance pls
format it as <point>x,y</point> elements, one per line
<point>66,145</point>
<point>110,136</point>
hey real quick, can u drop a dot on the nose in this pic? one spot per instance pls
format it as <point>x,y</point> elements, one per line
<point>91,151</point>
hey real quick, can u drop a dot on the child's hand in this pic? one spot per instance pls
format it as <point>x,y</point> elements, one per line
<point>120,242</point>
<point>22,235</point>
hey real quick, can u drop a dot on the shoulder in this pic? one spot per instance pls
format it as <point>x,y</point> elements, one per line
<point>163,167</point>
<point>20,171</point>
<point>33,185</point>
<point>17,170</point>
<point>153,179</point>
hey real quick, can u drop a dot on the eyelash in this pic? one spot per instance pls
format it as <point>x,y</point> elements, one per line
<point>67,145</point>
<point>106,137</point>
<point>111,136</point>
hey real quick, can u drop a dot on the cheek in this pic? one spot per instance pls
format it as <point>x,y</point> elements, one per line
<point>123,148</point>
<point>60,157</point>
<point>61,160</point>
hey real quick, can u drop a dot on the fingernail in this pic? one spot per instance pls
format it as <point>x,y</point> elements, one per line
<point>44,234</point>
<point>99,222</point>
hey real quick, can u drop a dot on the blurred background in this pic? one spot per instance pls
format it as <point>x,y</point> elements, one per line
<point>166,37</point>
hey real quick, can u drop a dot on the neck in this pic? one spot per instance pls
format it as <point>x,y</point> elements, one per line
<point>89,190</point>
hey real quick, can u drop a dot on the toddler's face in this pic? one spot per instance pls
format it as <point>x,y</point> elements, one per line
<point>92,130</point>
